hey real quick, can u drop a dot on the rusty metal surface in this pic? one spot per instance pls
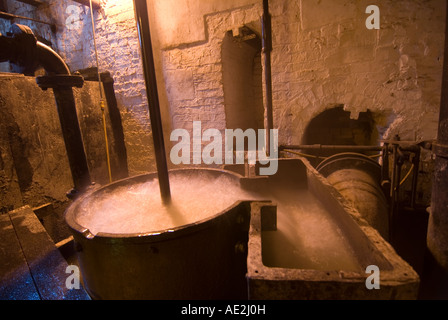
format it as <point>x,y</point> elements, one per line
<point>195,261</point>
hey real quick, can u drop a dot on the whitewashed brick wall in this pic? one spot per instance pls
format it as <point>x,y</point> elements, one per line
<point>118,53</point>
<point>323,55</point>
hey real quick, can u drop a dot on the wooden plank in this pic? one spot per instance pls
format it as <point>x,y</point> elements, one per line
<point>35,3</point>
<point>46,263</point>
<point>16,282</point>
<point>10,16</point>
<point>43,210</point>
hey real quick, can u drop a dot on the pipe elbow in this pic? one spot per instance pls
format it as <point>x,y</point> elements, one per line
<point>50,61</point>
<point>21,48</point>
<point>6,50</point>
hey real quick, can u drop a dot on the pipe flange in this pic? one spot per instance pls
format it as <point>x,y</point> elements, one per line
<point>60,81</point>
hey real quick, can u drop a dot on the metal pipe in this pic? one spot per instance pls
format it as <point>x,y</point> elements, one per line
<point>393,189</point>
<point>141,11</point>
<point>267,48</point>
<point>385,174</point>
<point>27,53</point>
<point>416,163</point>
<point>6,46</point>
<point>50,61</point>
<point>100,87</point>
<point>54,65</point>
<point>319,147</point>
<point>10,16</point>
<point>22,49</point>
<point>96,4</point>
<point>357,178</point>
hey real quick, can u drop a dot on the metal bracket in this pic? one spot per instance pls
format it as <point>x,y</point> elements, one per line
<point>57,81</point>
<point>440,150</point>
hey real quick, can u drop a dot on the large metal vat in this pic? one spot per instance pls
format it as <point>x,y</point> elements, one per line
<point>202,260</point>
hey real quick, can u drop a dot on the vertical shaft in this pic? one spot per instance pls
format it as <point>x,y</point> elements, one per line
<point>437,237</point>
<point>102,104</point>
<point>267,48</point>
<point>144,33</point>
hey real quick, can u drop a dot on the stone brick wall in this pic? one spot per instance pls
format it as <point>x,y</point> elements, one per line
<point>34,166</point>
<point>193,72</point>
<point>42,31</point>
<point>118,53</point>
<point>324,56</point>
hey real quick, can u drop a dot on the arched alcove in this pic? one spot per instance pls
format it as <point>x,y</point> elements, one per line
<point>242,80</point>
<point>335,127</point>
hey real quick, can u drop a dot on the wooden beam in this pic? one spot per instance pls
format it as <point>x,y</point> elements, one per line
<point>16,282</point>
<point>45,262</point>
<point>9,16</point>
<point>35,3</point>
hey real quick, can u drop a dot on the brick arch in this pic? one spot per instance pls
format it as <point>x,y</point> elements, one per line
<point>335,127</point>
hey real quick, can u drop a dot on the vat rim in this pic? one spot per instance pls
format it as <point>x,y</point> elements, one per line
<point>155,235</point>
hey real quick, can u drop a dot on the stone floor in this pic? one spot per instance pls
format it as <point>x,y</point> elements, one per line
<point>32,267</point>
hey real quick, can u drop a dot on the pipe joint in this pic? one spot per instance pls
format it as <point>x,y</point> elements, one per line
<point>21,48</point>
<point>23,51</point>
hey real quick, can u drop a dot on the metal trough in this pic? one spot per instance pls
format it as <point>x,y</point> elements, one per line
<point>278,278</point>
